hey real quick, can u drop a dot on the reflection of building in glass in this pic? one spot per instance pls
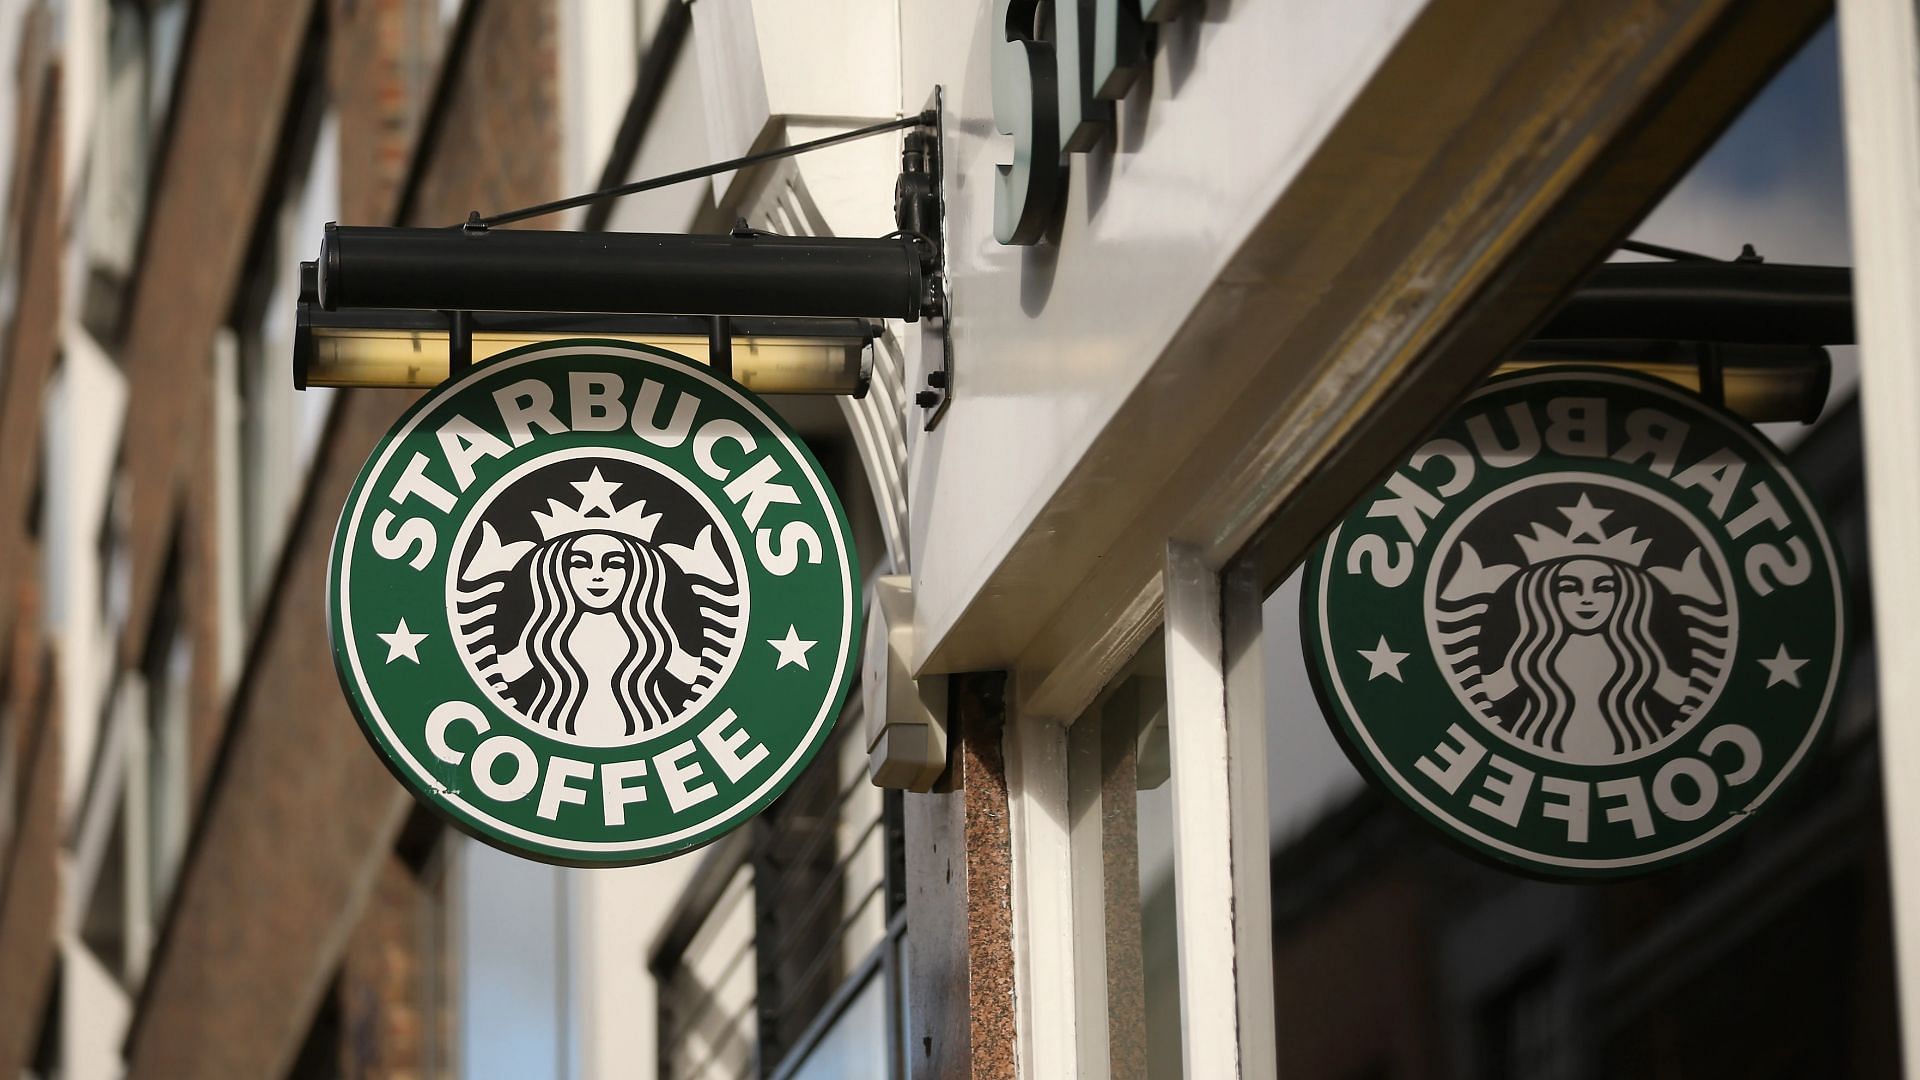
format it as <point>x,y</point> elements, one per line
<point>1395,954</point>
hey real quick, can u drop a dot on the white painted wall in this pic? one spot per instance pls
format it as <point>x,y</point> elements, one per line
<point>85,402</point>
<point>599,59</point>
<point>94,1017</point>
<point>1050,340</point>
<point>80,31</point>
<point>765,62</point>
<point>675,140</point>
<point>618,915</point>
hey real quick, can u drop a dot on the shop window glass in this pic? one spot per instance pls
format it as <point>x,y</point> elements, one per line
<point>389,1010</point>
<point>1397,954</point>
<point>708,1024</point>
<point>857,1043</point>
<point>1121,794</point>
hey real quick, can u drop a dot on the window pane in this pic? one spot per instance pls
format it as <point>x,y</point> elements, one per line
<point>1122,806</point>
<point>856,1044</point>
<point>708,1023</point>
<point>512,968</point>
<point>1397,954</point>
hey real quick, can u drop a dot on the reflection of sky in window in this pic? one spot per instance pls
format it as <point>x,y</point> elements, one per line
<point>512,967</point>
<point>1777,180</point>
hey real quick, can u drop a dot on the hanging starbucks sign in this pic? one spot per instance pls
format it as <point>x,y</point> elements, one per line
<point>1589,627</point>
<point>593,603</point>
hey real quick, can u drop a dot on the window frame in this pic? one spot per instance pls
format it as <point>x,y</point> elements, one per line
<point>747,848</point>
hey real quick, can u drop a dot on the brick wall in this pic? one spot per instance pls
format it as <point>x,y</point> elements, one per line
<point>29,858</point>
<point>228,113</point>
<point>300,817</point>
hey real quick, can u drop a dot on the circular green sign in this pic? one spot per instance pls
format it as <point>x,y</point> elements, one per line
<point>593,603</point>
<point>1589,627</point>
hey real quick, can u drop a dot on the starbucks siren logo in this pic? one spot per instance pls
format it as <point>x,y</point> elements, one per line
<point>593,603</point>
<point>569,625</point>
<point>1589,627</point>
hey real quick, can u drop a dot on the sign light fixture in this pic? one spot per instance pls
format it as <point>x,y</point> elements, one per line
<point>1587,629</point>
<point>1758,383</point>
<point>409,308</point>
<point>412,349</point>
<point>1746,335</point>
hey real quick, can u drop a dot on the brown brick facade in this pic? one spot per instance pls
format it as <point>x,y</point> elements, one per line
<point>290,881</point>
<point>298,825</point>
<point>30,894</point>
<point>30,857</point>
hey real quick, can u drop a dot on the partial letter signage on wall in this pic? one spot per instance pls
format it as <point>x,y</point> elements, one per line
<point>1054,94</point>
<point>1589,627</point>
<point>593,603</point>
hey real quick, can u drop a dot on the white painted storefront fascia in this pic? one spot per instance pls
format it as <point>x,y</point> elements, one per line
<point>765,64</point>
<point>1049,341</point>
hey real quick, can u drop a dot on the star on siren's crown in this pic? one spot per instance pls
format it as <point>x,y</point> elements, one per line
<point>631,519</point>
<point>1546,545</point>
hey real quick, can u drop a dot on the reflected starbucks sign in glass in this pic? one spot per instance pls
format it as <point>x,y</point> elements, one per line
<point>593,603</point>
<point>1590,626</point>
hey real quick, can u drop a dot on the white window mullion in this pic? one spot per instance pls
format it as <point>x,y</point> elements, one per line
<point>1044,931</point>
<point>1880,66</point>
<point>1226,995</point>
<point>1244,660</point>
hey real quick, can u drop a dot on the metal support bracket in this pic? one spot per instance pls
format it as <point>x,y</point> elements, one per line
<point>920,211</point>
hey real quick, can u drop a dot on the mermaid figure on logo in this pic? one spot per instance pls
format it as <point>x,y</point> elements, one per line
<point>598,657</point>
<point>1585,676</point>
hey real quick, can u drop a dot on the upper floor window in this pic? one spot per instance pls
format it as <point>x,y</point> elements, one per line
<point>140,55</point>
<point>278,428</point>
<point>167,669</point>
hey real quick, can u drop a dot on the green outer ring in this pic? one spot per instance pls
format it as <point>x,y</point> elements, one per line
<point>1374,771</point>
<point>529,849</point>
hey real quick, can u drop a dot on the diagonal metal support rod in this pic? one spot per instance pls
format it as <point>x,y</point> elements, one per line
<point>1661,251</point>
<point>715,169</point>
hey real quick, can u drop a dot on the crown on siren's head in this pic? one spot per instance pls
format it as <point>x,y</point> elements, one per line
<point>596,513</point>
<point>1584,538</point>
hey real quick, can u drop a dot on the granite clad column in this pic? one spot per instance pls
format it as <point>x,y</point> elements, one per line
<point>959,898</point>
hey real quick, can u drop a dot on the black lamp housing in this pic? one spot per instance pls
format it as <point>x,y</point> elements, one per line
<point>1746,335</point>
<point>479,269</point>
